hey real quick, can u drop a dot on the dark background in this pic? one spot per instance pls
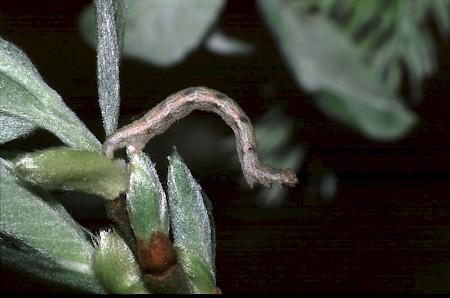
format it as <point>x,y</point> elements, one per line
<point>386,230</point>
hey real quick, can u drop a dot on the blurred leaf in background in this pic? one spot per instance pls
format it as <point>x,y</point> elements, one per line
<point>395,37</point>
<point>354,55</point>
<point>161,32</point>
<point>325,61</point>
<point>222,44</point>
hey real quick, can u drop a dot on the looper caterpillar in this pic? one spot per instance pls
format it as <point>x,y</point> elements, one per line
<point>179,105</point>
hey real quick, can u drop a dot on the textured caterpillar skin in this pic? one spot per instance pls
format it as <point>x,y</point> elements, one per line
<point>179,105</point>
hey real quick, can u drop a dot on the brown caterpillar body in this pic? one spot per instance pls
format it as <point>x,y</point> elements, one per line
<point>178,106</point>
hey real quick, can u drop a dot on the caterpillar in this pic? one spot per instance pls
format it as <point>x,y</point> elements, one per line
<point>177,106</point>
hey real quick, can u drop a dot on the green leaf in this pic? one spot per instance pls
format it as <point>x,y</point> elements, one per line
<point>15,128</point>
<point>45,241</point>
<point>326,62</point>
<point>220,43</point>
<point>110,16</point>
<point>8,168</point>
<point>75,170</point>
<point>391,34</point>
<point>201,281</point>
<point>47,269</point>
<point>146,200</point>
<point>27,98</point>
<point>441,12</point>
<point>116,266</point>
<point>162,32</point>
<point>273,132</point>
<point>374,121</point>
<point>191,226</point>
<point>212,224</point>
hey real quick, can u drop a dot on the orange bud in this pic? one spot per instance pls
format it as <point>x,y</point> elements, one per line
<point>157,256</point>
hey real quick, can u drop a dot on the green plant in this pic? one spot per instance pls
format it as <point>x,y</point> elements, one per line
<point>38,236</point>
<point>318,40</point>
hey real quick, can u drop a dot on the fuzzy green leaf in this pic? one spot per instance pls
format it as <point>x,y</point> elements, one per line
<point>26,97</point>
<point>75,170</point>
<point>46,269</point>
<point>7,167</point>
<point>110,16</point>
<point>15,128</point>
<point>161,32</point>
<point>191,226</point>
<point>326,62</point>
<point>200,279</point>
<point>42,240</point>
<point>146,199</point>
<point>116,266</point>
